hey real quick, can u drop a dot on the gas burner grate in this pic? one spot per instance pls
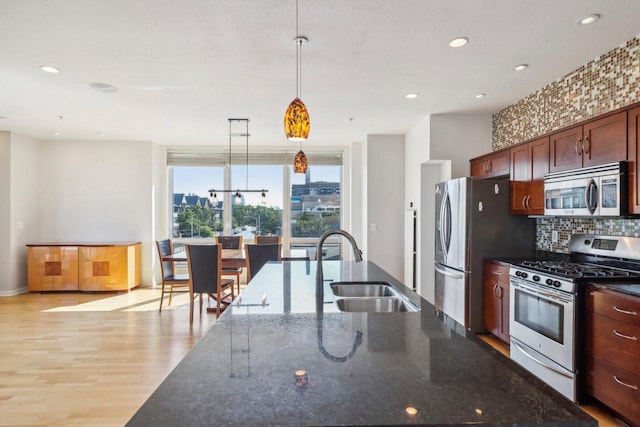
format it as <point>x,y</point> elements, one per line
<point>575,269</point>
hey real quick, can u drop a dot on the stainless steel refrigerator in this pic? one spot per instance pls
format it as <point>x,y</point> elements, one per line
<point>473,223</point>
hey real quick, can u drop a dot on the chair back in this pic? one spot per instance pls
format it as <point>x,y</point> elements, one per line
<point>258,255</point>
<point>165,248</point>
<point>268,240</point>
<point>204,262</point>
<point>229,242</point>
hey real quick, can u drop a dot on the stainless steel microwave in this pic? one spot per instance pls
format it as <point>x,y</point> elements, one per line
<point>593,191</point>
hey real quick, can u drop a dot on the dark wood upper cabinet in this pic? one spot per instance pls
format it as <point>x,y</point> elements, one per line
<point>633,144</point>
<point>490,165</point>
<point>596,142</point>
<point>529,164</point>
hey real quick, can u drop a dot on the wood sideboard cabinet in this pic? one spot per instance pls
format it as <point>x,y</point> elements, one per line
<point>613,351</point>
<point>83,267</point>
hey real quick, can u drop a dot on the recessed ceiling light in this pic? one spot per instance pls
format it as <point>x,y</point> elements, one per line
<point>521,67</point>
<point>56,133</point>
<point>588,19</point>
<point>480,95</point>
<point>49,69</point>
<point>458,42</point>
<point>100,134</point>
<point>103,87</point>
<point>411,95</point>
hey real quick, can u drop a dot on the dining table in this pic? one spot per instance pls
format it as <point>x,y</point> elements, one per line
<point>236,258</point>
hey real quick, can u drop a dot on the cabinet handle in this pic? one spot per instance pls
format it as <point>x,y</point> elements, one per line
<point>632,338</point>
<point>634,387</point>
<point>619,310</point>
<point>529,202</point>
<point>495,293</point>
<point>489,165</point>
<point>497,273</point>
<point>499,289</point>
<point>486,166</point>
<point>524,202</point>
<point>587,144</point>
<point>578,147</point>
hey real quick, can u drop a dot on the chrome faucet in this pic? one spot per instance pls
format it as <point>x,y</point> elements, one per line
<point>357,254</point>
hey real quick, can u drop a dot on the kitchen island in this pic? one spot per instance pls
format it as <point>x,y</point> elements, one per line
<point>279,356</point>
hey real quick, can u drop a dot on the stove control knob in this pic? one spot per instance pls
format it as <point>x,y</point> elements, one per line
<point>536,278</point>
<point>523,275</point>
<point>549,282</point>
<point>557,283</point>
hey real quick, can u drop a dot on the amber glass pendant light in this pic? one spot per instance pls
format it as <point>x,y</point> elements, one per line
<point>296,119</point>
<point>300,162</point>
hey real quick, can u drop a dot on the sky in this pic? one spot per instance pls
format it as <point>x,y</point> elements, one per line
<point>199,180</point>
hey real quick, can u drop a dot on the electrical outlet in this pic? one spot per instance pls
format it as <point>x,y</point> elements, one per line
<point>554,236</point>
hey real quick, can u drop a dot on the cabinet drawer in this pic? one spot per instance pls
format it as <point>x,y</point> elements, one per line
<point>614,305</point>
<point>614,341</point>
<point>496,271</point>
<point>615,387</point>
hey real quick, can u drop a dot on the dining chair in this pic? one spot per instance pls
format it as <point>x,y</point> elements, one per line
<point>205,276</point>
<point>231,242</point>
<point>268,240</point>
<point>259,255</point>
<point>170,280</point>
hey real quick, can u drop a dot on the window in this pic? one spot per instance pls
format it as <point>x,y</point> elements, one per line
<point>298,207</point>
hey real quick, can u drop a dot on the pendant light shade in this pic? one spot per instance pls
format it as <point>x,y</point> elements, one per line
<point>296,121</point>
<point>300,163</point>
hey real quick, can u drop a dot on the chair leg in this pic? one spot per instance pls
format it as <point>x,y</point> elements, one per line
<point>170,294</point>
<point>161,298</point>
<point>191,303</point>
<point>237,282</point>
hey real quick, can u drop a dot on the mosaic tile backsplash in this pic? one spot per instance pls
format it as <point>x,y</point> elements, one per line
<point>605,84</point>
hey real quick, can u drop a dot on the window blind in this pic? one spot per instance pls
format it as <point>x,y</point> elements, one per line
<point>176,157</point>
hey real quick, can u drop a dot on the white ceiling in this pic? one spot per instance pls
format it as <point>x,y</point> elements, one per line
<point>184,66</point>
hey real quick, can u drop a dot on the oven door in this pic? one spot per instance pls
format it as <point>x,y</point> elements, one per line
<point>543,319</point>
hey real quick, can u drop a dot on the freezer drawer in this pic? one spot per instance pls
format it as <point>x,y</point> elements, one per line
<point>451,293</point>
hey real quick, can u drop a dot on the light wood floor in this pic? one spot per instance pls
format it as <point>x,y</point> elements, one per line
<point>604,418</point>
<point>75,359</point>
<point>88,359</point>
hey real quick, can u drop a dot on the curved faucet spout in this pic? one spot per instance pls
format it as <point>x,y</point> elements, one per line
<point>357,254</point>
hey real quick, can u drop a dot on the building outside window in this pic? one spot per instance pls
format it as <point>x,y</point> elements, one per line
<point>298,207</point>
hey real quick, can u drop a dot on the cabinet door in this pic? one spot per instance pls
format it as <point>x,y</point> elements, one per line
<point>565,149</point>
<point>496,300</point>
<point>539,165</point>
<point>605,140</point>
<point>633,144</point>
<point>498,164</point>
<point>478,167</point>
<point>52,268</point>
<point>520,179</point>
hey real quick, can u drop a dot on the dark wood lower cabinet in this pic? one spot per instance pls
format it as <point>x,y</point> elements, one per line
<point>496,299</point>
<point>612,343</point>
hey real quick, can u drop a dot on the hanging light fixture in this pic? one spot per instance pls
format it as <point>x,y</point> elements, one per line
<point>213,193</point>
<point>296,118</point>
<point>300,162</point>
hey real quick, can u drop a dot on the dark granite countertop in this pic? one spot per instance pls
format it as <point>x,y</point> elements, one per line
<point>242,372</point>
<point>623,287</point>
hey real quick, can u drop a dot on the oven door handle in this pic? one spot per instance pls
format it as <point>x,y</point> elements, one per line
<point>539,362</point>
<point>536,292</point>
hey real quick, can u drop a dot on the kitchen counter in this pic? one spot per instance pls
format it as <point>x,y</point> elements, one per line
<point>247,369</point>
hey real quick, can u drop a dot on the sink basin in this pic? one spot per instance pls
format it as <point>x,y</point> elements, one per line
<point>363,289</point>
<point>375,305</point>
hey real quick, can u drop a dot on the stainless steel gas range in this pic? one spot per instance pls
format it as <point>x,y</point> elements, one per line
<point>546,309</point>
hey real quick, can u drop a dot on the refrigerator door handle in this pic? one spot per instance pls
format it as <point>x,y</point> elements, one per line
<point>443,230</point>
<point>446,273</point>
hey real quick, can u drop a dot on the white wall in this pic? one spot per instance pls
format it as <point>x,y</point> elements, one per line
<point>385,200</point>
<point>358,224</point>
<point>460,137</point>
<point>5,213</point>
<point>98,192</point>
<point>24,224</point>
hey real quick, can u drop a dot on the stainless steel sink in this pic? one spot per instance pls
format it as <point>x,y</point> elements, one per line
<point>363,289</point>
<point>376,305</point>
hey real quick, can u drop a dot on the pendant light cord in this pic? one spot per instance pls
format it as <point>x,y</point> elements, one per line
<point>298,55</point>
